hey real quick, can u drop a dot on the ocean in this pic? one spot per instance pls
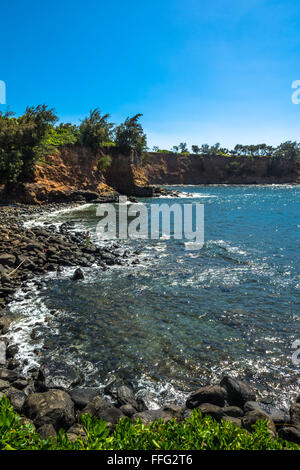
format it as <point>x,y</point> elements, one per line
<point>180,318</point>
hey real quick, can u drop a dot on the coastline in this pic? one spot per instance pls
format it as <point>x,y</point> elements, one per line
<point>60,376</point>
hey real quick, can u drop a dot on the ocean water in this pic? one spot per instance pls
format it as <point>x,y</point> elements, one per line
<point>181,318</point>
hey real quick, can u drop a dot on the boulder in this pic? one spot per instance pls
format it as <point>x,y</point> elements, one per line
<point>252,417</point>
<point>295,414</point>
<point>16,397</point>
<point>4,324</point>
<point>125,396</point>
<point>233,419</point>
<point>9,375</point>
<point>128,410</point>
<point>96,404</point>
<point>78,274</point>
<point>213,394</point>
<point>101,408</point>
<point>277,415</point>
<point>167,413</point>
<point>238,393</point>
<point>75,432</point>
<point>214,411</point>
<point>290,434</point>
<point>82,396</point>
<point>47,430</point>
<point>53,407</point>
<point>4,384</point>
<point>7,260</point>
<point>141,405</point>
<point>233,411</point>
<point>58,374</point>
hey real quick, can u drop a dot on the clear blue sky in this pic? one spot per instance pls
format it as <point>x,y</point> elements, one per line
<point>200,71</point>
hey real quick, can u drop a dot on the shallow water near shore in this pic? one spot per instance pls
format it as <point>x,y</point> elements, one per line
<point>181,318</point>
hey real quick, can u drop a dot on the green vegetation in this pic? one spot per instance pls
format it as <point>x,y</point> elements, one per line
<point>130,137</point>
<point>286,151</point>
<point>95,130</point>
<point>197,433</point>
<point>21,141</point>
<point>26,139</point>
<point>104,163</point>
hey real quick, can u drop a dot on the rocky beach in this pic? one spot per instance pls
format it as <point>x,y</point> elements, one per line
<point>53,395</point>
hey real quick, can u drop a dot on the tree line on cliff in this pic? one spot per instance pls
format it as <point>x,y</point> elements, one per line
<point>24,140</point>
<point>287,150</point>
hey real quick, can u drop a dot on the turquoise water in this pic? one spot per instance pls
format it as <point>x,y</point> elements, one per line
<point>182,318</point>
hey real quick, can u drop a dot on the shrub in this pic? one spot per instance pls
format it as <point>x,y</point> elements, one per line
<point>104,162</point>
<point>197,433</point>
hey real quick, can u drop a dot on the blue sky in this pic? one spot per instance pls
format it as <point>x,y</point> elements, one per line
<point>199,71</point>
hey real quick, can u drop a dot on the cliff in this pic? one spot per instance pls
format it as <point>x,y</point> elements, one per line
<point>72,173</point>
<point>193,169</point>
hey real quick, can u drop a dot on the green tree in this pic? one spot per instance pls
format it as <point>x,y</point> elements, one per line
<point>95,130</point>
<point>130,137</point>
<point>196,149</point>
<point>183,147</point>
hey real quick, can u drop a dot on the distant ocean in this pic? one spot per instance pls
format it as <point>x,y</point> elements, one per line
<point>182,318</point>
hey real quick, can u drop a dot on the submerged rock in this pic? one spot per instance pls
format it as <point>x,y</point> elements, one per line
<point>58,374</point>
<point>78,274</point>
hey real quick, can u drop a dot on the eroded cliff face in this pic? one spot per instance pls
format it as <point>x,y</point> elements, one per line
<point>193,169</point>
<point>72,173</point>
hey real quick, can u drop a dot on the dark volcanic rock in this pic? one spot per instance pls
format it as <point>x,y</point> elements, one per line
<point>17,398</point>
<point>278,416</point>
<point>128,410</point>
<point>252,417</point>
<point>290,434</point>
<point>295,414</point>
<point>233,411</point>
<point>101,408</point>
<point>9,375</point>
<point>125,396</point>
<point>53,407</point>
<point>82,396</point>
<point>213,394</point>
<point>78,274</point>
<point>238,393</point>
<point>58,374</point>
<point>47,430</point>
<point>214,411</point>
<point>166,413</point>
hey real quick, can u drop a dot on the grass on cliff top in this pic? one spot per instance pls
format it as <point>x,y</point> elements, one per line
<point>198,433</point>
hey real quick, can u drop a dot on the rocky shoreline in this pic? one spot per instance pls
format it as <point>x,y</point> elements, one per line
<point>53,396</point>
